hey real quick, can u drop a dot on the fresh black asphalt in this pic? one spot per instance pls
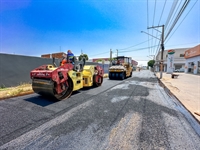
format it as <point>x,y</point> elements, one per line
<point>135,113</point>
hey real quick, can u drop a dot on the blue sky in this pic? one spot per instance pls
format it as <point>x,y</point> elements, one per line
<point>36,27</point>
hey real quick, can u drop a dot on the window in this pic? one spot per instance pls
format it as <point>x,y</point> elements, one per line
<point>182,55</point>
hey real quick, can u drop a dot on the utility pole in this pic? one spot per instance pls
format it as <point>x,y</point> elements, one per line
<point>110,56</point>
<point>162,48</point>
<point>117,52</point>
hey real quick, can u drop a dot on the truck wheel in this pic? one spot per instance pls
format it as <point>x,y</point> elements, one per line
<point>122,76</point>
<point>130,74</point>
<point>110,77</point>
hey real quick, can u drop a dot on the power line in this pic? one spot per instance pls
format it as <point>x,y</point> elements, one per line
<point>171,12</point>
<point>157,48</point>
<point>153,24</point>
<point>177,18</point>
<point>158,24</point>
<point>137,49</point>
<point>148,22</point>
<point>134,45</point>
<point>162,12</point>
<point>140,49</point>
<point>121,49</point>
<point>174,14</point>
<point>100,53</point>
<point>182,20</point>
<point>196,43</point>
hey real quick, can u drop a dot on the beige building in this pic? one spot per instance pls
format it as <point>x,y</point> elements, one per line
<point>192,56</point>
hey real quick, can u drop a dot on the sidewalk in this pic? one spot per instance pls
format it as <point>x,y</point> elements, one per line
<point>186,88</point>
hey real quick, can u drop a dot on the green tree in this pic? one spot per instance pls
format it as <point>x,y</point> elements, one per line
<point>83,55</point>
<point>99,60</point>
<point>110,59</point>
<point>151,63</point>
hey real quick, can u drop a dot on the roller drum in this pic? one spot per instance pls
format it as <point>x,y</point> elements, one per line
<point>43,87</point>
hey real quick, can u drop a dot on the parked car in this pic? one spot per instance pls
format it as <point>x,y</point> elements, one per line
<point>179,70</point>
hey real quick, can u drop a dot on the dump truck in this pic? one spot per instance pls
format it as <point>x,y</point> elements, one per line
<point>59,82</point>
<point>120,68</point>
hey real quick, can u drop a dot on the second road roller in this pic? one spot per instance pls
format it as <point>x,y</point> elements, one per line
<point>121,68</point>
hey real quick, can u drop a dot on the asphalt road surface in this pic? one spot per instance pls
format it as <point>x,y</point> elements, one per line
<point>136,113</point>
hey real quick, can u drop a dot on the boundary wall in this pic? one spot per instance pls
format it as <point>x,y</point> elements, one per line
<point>15,69</point>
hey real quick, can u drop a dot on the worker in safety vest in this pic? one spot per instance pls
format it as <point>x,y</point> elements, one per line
<point>70,55</point>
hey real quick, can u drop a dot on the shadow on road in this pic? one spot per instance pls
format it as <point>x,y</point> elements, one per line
<point>41,101</point>
<point>45,100</point>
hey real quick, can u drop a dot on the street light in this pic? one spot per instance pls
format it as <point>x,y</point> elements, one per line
<point>151,35</point>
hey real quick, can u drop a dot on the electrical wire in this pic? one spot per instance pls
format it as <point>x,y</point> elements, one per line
<point>137,49</point>
<point>162,12</point>
<point>153,24</point>
<point>158,24</point>
<point>121,49</point>
<point>177,18</point>
<point>134,45</point>
<point>171,13</point>
<point>148,21</point>
<point>181,21</point>
<point>175,13</point>
<point>100,53</point>
<point>157,48</point>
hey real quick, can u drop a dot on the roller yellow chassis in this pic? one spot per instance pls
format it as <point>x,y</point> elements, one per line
<point>82,79</point>
<point>77,79</point>
<point>115,70</point>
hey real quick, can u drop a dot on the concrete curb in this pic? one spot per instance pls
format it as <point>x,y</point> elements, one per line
<point>169,92</point>
<point>21,94</point>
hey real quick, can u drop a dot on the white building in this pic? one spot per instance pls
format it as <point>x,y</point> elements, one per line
<point>179,59</point>
<point>187,59</point>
